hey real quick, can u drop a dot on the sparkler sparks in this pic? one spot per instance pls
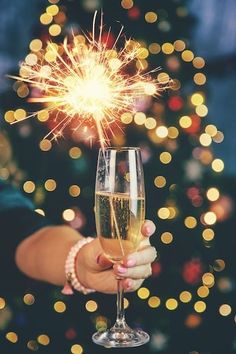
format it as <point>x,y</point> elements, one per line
<point>85,84</point>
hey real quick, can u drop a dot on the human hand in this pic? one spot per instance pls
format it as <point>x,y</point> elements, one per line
<point>96,272</point>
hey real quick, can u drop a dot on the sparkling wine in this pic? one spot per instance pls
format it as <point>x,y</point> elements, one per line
<point>118,220</point>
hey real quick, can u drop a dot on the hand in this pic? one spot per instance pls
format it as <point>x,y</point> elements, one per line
<point>96,272</point>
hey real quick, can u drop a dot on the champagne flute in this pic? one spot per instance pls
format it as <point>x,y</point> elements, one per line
<point>120,213</point>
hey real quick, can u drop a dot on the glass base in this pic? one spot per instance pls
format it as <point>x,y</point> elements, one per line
<point>120,336</point>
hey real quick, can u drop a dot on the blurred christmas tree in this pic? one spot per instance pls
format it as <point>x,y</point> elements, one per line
<point>185,297</point>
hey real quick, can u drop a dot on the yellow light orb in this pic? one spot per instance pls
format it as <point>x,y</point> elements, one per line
<point>43,339</point>
<point>200,306</point>
<point>31,59</point>
<point>68,215</point>
<point>167,48</point>
<point>126,303</point>
<point>165,157</point>
<point>187,55</point>
<point>197,99</point>
<point>150,123</point>
<point>208,280</point>
<point>201,110</point>
<point>179,45</point>
<point>127,4</point>
<point>217,165</point>
<point>60,306</point>
<point>36,45</point>
<point>163,213</point>
<point>29,299</point>
<point>20,114</point>
<point>199,79</point>
<point>185,296</point>
<point>12,337</point>
<point>50,56</point>
<point>162,131</point>
<point>9,116</point>
<point>171,304</point>
<point>208,234</point>
<point>225,310</point>
<point>143,293</point>
<point>160,181</point>
<point>76,349</point>
<point>22,91</point>
<point>211,130</point>
<point>43,116</point>
<point>75,152</point>
<point>173,132</point>
<point>45,145</point>
<point>74,190</point>
<point>166,237</point>
<point>127,118</point>
<point>40,211</point>
<point>46,19</point>
<point>173,212</point>
<point>219,137</point>
<point>185,122</point>
<point>54,30</point>
<point>205,139</point>
<point>198,62</point>
<point>143,53</point>
<point>210,218</point>
<point>52,10</point>
<point>139,118</point>
<point>203,291</point>
<point>29,187</point>
<point>190,222</point>
<point>50,185</point>
<point>163,78</point>
<point>154,302</point>
<point>154,48</point>
<point>91,306</point>
<point>151,17</point>
<point>213,194</point>
<point>2,303</point>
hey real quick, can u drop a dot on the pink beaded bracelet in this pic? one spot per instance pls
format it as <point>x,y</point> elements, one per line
<point>71,277</point>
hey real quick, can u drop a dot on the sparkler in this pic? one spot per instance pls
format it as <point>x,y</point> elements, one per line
<point>86,84</point>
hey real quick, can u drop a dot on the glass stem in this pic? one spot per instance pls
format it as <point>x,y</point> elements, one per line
<point>120,319</point>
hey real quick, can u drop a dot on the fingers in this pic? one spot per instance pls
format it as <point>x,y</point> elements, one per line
<point>148,228</point>
<point>139,272</point>
<point>142,257</point>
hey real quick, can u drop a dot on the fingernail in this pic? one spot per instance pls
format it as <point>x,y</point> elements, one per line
<point>121,269</point>
<point>148,230</point>
<point>131,262</point>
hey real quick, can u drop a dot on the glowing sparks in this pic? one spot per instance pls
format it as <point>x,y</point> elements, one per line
<point>85,84</point>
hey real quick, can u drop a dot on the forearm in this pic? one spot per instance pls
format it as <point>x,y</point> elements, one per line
<point>42,255</point>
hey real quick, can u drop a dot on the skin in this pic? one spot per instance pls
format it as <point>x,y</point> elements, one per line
<point>42,256</point>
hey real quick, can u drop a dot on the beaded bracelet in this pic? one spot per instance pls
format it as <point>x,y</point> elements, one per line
<point>71,277</point>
